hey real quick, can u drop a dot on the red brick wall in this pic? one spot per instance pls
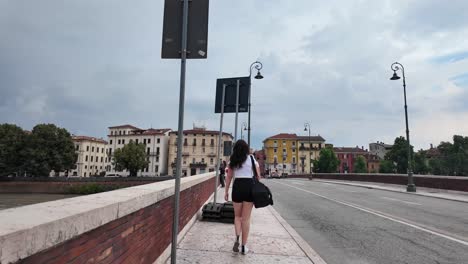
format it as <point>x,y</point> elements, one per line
<point>440,182</point>
<point>140,237</point>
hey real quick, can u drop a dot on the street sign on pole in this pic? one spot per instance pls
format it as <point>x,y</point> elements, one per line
<point>184,42</point>
<point>197,35</point>
<point>231,94</point>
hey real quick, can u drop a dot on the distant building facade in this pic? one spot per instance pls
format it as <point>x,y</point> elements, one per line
<point>91,160</point>
<point>379,149</point>
<point>348,155</point>
<point>199,150</point>
<point>289,153</point>
<point>261,158</point>
<point>156,143</point>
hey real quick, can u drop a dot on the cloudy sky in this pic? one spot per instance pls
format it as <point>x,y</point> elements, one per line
<point>86,65</point>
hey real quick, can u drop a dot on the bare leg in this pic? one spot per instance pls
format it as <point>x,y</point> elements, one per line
<point>238,218</point>
<point>246,212</point>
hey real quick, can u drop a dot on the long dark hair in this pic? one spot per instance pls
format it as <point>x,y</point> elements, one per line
<point>239,154</point>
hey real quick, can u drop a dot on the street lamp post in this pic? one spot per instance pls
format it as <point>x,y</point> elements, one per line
<point>411,187</point>
<point>243,127</point>
<point>307,128</point>
<point>258,66</point>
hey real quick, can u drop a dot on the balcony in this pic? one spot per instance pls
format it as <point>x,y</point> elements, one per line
<point>198,165</point>
<point>154,153</point>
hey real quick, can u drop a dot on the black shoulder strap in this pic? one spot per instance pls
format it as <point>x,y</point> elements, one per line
<point>254,168</point>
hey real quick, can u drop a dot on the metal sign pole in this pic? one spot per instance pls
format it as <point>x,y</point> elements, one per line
<point>237,109</point>
<point>220,137</point>
<point>180,134</point>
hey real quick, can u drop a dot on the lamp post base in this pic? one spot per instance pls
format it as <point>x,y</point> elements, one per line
<point>411,188</point>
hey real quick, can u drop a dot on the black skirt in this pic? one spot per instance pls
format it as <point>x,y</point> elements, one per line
<point>242,190</point>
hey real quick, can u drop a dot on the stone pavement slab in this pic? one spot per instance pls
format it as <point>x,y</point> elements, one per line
<point>271,240</point>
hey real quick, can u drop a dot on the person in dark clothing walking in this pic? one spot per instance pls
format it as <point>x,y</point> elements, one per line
<point>222,171</point>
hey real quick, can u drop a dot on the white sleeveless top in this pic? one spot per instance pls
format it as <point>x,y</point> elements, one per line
<point>246,170</point>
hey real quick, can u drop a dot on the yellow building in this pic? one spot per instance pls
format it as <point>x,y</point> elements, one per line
<point>291,154</point>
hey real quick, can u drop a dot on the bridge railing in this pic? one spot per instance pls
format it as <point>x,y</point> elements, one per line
<point>131,225</point>
<point>430,181</point>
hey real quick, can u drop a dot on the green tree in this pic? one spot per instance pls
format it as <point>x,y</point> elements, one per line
<point>49,147</point>
<point>399,155</point>
<point>12,140</point>
<point>360,165</point>
<point>420,163</point>
<point>131,157</point>
<point>452,158</point>
<point>386,166</point>
<point>327,162</point>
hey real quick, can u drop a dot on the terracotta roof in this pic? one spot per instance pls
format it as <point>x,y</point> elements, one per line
<point>86,138</point>
<point>283,136</point>
<point>349,150</point>
<point>201,131</point>
<point>125,126</point>
<point>294,136</point>
<point>312,138</point>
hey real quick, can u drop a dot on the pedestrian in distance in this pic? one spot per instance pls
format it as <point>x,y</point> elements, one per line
<point>240,170</point>
<point>222,172</point>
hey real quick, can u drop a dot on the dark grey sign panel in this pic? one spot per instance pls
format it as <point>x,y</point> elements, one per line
<point>197,35</point>
<point>230,94</point>
<point>227,148</point>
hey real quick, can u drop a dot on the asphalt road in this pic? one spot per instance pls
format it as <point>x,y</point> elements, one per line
<point>348,225</point>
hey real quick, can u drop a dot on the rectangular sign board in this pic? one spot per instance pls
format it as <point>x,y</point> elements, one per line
<point>227,151</point>
<point>197,32</point>
<point>230,94</point>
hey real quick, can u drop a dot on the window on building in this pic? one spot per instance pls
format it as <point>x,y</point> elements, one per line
<point>156,168</point>
<point>86,158</point>
<point>144,141</point>
<point>274,150</point>
<point>157,158</point>
<point>203,142</point>
<point>92,149</point>
<point>158,141</point>
<point>294,143</point>
<point>157,150</point>
<point>102,150</point>
<point>294,150</point>
<point>148,151</point>
<point>112,133</point>
<point>211,161</point>
<point>212,142</point>
<point>123,141</point>
<point>194,141</point>
<point>203,150</point>
<point>125,132</point>
<point>149,141</point>
<point>119,141</point>
<point>193,160</point>
<point>77,147</point>
<point>84,174</point>
<point>102,159</point>
<point>110,141</point>
<point>203,160</point>
<point>136,140</point>
<point>110,151</point>
<point>87,148</point>
<point>294,159</point>
<point>91,158</point>
<point>120,132</point>
<point>86,167</point>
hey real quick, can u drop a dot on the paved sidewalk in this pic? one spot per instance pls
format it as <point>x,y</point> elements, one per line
<point>437,193</point>
<point>271,240</point>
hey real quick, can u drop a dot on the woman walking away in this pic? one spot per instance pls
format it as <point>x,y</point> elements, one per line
<point>240,168</point>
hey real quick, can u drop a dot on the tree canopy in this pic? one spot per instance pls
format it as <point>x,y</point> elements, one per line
<point>399,155</point>
<point>131,157</point>
<point>327,162</point>
<point>360,165</point>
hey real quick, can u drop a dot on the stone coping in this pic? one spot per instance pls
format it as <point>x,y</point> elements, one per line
<point>384,174</point>
<point>29,229</point>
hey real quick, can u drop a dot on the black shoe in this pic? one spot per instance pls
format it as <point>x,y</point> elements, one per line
<point>235,248</point>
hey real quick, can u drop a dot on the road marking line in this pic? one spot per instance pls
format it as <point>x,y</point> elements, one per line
<point>402,201</point>
<point>386,216</point>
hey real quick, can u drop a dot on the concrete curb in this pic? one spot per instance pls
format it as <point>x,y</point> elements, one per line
<point>391,190</point>
<point>310,253</point>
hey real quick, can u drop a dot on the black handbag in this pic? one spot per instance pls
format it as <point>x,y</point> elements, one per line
<point>261,194</point>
